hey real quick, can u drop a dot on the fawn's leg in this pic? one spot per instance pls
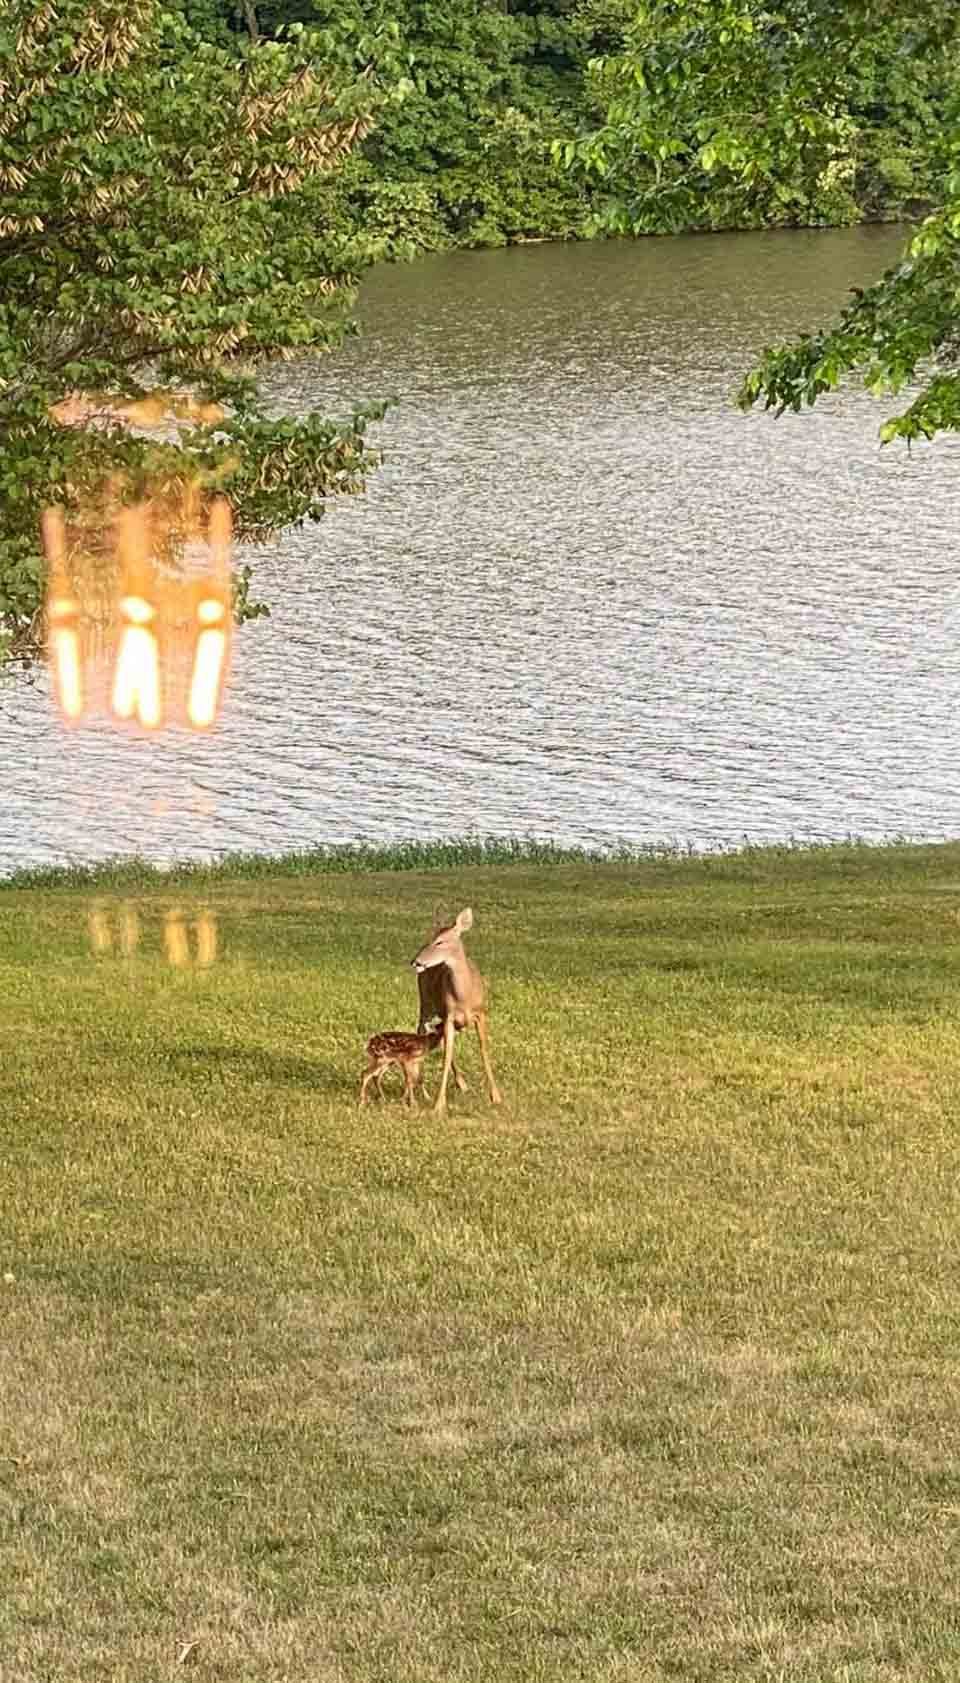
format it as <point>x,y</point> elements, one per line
<point>411,1074</point>
<point>367,1078</point>
<point>448,1037</point>
<point>495,1094</point>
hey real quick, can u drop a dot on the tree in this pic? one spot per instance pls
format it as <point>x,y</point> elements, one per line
<point>491,86</point>
<point>739,113</point>
<point>465,159</point>
<point>168,218</point>
<point>904,330</point>
<point>742,113</point>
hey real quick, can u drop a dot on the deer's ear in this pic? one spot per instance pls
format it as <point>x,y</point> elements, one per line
<point>464,921</point>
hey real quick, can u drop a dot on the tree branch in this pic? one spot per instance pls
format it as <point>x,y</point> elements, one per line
<point>250,18</point>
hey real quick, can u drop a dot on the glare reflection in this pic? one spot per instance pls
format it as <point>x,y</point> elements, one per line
<point>206,939</point>
<point>129,930</point>
<point>208,666</point>
<point>126,928</point>
<point>145,635</point>
<point>136,684</point>
<point>101,939</point>
<point>175,940</point>
<point>65,653</point>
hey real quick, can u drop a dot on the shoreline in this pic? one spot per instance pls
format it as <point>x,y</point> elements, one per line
<point>438,854</point>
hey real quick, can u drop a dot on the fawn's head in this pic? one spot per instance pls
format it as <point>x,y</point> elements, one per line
<point>444,944</point>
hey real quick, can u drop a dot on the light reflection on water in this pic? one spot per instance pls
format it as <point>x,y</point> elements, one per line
<point>583,598</point>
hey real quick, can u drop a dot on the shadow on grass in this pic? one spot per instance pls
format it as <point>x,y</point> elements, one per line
<point>256,1063</point>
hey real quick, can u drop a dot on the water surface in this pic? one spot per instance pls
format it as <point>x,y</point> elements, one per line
<point>584,597</point>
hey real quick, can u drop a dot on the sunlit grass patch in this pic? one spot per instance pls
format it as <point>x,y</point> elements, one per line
<point>650,1373</point>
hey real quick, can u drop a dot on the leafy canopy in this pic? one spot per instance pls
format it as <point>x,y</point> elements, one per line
<point>465,159</point>
<point>904,331</point>
<point>167,219</point>
<point>737,113</point>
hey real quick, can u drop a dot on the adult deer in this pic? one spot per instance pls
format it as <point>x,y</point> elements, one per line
<point>453,992</point>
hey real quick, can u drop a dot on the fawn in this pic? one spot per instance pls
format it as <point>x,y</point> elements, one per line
<point>407,1051</point>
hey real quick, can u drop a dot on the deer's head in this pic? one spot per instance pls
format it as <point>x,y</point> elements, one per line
<point>444,945</point>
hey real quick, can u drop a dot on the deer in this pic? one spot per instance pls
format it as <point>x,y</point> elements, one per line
<point>407,1051</point>
<point>453,992</point>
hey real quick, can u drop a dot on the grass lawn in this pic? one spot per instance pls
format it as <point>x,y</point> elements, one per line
<point>653,1373</point>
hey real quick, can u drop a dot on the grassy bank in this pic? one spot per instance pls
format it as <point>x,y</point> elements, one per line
<point>650,1374</point>
<point>449,853</point>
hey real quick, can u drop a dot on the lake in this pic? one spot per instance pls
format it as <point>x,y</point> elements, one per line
<point>584,598</point>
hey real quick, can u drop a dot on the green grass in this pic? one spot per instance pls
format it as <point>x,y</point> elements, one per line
<point>651,1374</point>
<point>133,871</point>
<point>441,854</point>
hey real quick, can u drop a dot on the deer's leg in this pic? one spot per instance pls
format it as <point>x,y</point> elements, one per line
<point>458,1077</point>
<point>449,1033</point>
<point>454,1071</point>
<point>495,1094</point>
<point>367,1078</point>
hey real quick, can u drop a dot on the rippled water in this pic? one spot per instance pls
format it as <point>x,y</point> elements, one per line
<point>583,598</point>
